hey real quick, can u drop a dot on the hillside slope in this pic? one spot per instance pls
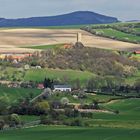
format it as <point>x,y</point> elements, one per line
<point>127,32</point>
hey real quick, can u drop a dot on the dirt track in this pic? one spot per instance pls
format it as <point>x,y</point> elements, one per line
<point>12,39</point>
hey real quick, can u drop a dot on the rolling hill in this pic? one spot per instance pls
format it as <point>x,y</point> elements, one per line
<point>75,18</point>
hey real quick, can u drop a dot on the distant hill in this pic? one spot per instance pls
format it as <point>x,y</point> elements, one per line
<point>133,21</point>
<point>75,18</point>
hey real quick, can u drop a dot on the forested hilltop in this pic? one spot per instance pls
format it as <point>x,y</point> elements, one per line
<point>99,61</point>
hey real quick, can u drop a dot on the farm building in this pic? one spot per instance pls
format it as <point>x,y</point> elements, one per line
<point>62,88</point>
<point>137,52</point>
<point>40,86</point>
<point>68,46</point>
<point>18,57</point>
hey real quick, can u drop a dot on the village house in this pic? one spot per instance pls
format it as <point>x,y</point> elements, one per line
<point>12,57</point>
<point>40,86</point>
<point>14,85</point>
<point>137,52</point>
<point>62,88</point>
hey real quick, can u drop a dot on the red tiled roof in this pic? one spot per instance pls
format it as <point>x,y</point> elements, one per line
<point>40,86</point>
<point>137,52</point>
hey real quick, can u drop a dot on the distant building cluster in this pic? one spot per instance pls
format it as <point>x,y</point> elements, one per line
<point>137,52</point>
<point>12,57</point>
<point>57,88</point>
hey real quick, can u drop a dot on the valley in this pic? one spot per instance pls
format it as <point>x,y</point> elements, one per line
<point>69,70</point>
<point>98,84</point>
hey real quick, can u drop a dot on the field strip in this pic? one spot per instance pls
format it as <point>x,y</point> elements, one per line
<point>12,40</point>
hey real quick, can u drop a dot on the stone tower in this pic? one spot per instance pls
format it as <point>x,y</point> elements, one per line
<point>79,37</point>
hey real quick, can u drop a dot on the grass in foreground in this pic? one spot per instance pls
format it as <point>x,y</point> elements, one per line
<point>128,117</point>
<point>71,133</point>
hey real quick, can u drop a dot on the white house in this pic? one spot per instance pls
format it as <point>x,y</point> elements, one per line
<point>62,88</point>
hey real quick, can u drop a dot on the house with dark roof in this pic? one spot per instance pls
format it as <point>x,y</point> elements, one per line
<point>62,88</point>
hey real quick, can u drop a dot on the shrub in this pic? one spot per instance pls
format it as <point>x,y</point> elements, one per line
<point>64,101</point>
<point>76,122</point>
<point>2,123</point>
<point>14,120</point>
<point>86,114</point>
<point>42,107</point>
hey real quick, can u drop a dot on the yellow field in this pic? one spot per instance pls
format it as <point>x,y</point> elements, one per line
<point>12,39</point>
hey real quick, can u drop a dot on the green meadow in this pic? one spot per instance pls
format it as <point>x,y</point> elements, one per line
<point>71,133</point>
<point>70,75</point>
<point>13,94</point>
<point>39,75</point>
<point>118,35</point>
<point>128,117</point>
<point>45,47</point>
<point>47,27</point>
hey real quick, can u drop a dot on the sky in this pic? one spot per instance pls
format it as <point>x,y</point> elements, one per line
<point>122,9</point>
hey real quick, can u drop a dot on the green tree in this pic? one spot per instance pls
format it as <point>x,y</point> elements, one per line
<point>42,106</point>
<point>137,86</point>
<point>4,105</point>
<point>2,123</point>
<point>14,120</point>
<point>48,83</point>
<point>64,101</point>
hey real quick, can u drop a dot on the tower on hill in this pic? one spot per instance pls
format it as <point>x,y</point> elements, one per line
<point>79,43</point>
<point>79,37</point>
